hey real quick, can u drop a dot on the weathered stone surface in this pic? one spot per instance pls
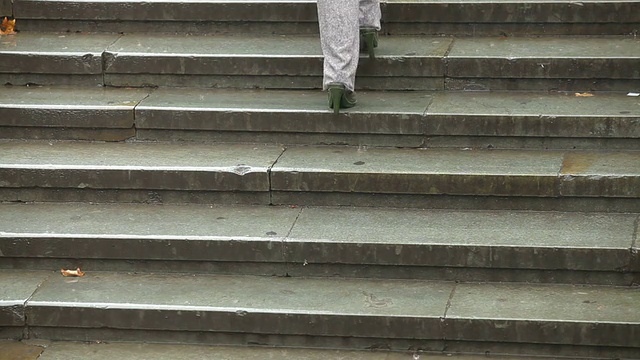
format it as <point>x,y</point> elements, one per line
<point>11,349</point>
<point>146,196</point>
<point>459,202</point>
<point>6,8</point>
<point>545,58</point>
<point>285,27</point>
<point>420,171</point>
<point>16,287</point>
<point>136,166</point>
<point>43,53</point>
<point>382,140</point>
<point>138,351</point>
<point>534,114</point>
<point>227,11</point>
<point>28,79</point>
<point>535,314</point>
<point>69,107</point>
<point>517,11</point>
<point>269,81</point>
<point>283,55</point>
<point>496,239</point>
<point>148,232</point>
<point>601,174</point>
<point>395,309</point>
<point>315,236</point>
<point>63,133</point>
<point>281,111</point>
<point>454,172</point>
<point>263,305</point>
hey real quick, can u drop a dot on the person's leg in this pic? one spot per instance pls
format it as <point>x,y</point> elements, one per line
<point>370,14</point>
<point>340,40</point>
<point>369,21</point>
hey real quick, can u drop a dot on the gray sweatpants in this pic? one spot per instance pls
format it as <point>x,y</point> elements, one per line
<point>340,22</point>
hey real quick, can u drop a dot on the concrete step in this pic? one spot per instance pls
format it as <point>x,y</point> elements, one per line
<point>295,62</point>
<point>534,120</point>
<point>64,350</point>
<point>404,315</point>
<point>467,18</point>
<point>268,174</point>
<point>454,245</point>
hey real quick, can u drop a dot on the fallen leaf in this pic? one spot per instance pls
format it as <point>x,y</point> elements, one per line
<point>585,94</point>
<point>76,272</point>
<point>7,27</point>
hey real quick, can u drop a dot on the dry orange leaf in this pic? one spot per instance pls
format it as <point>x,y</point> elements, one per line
<point>76,272</point>
<point>585,94</point>
<point>7,27</point>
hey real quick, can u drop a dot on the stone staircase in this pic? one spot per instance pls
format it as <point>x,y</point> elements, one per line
<point>482,198</point>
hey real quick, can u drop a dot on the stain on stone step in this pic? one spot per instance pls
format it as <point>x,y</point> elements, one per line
<point>577,163</point>
<point>10,349</point>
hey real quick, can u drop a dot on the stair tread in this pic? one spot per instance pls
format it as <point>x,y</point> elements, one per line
<point>340,307</point>
<point>318,235</point>
<point>392,50</point>
<point>320,159</point>
<point>250,167</point>
<point>315,224</point>
<point>185,156</point>
<point>450,113</point>
<point>337,296</point>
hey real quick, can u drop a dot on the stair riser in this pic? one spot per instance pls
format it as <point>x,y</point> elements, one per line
<point>397,83</point>
<point>136,180</point>
<point>403,141</point>
<point>454,202</point>
<point>451,263</point>
<point>311,28</point>
<point>291,251</point>
<point>615,278</point>
<point>320,199</point>
<point>440,11</point>
<point>590,334</point>
<point>90,134</point>
<point>368,344</point>
<point>492,19</point>
<point>332,182</point>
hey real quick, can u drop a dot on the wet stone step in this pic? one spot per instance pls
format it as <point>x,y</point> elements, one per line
<point>400,119</point>
<point>408,119</point>
<point>591,17</point>
<point>47,58</point>
<point>266,62</point>
<point>353,172</point>
<point>594,248</point>
<point>544,63</point>
<point>75,113</point>
<point>356,313</point>
<point>295,62</point>
<point>137,171</point>
<point>267,174</point>
<point>16,287</point>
